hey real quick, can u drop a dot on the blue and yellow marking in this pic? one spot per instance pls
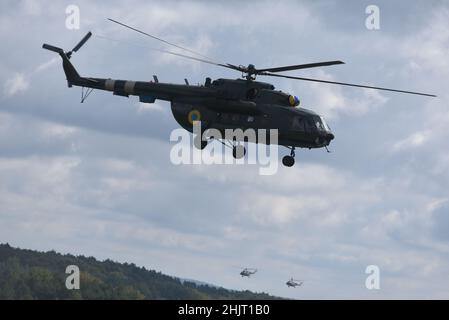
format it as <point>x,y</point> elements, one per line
<point>194,115</point>
<point>293,101</point>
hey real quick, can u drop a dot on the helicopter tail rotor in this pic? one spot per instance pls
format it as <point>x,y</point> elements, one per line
<point>69,53</point>
<point>52,48</point>
<point>79,45</point>
<point>70,71</point>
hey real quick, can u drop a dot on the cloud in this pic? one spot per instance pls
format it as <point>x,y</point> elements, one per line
<point>31,7</point>
<point>428,49</point>
<point>413,141</point>
<point>16,84</point>
<point>20,82</point>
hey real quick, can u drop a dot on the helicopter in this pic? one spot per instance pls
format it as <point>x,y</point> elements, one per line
<point>224,104</point>
<point>294,283</point>
<point>247,272</point>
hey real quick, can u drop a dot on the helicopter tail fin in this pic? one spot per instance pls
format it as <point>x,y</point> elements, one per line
<point>69,70</point>
<point>71,74</point>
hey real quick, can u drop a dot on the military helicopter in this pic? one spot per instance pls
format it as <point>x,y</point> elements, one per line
<point>225,103</point>
<point>294,283</point>
<point>247,272</point>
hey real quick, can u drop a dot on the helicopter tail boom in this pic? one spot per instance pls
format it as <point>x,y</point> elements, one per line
<point>147,92</point>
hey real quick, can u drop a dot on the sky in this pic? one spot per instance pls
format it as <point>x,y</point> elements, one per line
<point>96,178</point>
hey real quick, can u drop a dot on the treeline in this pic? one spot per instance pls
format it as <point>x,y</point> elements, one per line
<point>27,274</point>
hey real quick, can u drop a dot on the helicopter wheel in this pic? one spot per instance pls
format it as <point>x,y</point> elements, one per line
<point>288,161</point>
<point>238,152</point>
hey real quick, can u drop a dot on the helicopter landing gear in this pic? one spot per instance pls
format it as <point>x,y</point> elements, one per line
<point>238,151</point>
<point>289,161</point>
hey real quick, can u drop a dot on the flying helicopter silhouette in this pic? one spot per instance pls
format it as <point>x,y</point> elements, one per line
<point>247,272</point>
<point>225,103</point>
<point>294,283</point>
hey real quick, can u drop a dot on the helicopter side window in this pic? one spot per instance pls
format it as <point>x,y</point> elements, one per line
<point>308,125</point>
<point>298,124</point>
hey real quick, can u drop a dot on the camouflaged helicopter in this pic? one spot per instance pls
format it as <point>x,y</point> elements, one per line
<point>247,272</point>
<point>294,283</point>
<point>225,103</point>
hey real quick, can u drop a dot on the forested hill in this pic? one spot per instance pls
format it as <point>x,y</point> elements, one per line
<point>27,274</point>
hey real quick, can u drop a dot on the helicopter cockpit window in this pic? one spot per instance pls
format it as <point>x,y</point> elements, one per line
<point>320,124</point>
<point>326,126</point>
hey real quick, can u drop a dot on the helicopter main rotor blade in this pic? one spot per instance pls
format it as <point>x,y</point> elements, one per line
<point>346,84</point>
<point>301,66</point>
<point>190,57</point>
<point>168,52</point>
<point>234,67</point>
<point>205,59</point>
<point>157,38</point>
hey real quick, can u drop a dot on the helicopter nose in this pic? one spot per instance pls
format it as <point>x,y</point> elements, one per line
<point>330,136</point>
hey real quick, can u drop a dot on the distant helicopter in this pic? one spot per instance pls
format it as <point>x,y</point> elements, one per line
<point>247,272</point>
<point>294,283</point>
<point>225,103</point>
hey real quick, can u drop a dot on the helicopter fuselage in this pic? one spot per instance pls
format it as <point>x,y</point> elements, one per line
<point>296,127</point>
<point>255,105</point>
